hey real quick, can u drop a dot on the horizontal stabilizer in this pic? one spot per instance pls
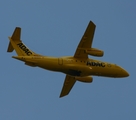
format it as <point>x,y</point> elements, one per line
<point>10,47</point>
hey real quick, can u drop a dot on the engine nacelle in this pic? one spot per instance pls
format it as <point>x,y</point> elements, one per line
<point>87,79</point>
<point>94,52</point>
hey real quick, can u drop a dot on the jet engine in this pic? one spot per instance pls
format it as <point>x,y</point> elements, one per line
<point>87,79</point>
<point>94,52</point>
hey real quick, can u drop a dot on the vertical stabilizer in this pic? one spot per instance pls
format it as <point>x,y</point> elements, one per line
<point>18,45</point>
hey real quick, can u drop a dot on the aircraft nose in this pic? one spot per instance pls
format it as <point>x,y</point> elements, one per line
<point>124,73</point>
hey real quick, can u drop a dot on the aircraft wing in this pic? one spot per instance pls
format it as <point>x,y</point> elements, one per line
<point>67,86</point>
<point>86,41</point>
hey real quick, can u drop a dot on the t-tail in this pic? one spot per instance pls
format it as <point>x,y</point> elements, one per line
<point>18,45</point>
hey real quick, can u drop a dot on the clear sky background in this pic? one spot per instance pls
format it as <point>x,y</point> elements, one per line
<point>54,28</point>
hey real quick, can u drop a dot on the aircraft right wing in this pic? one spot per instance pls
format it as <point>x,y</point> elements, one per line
<point>86,41</point>
<point>67,86</point>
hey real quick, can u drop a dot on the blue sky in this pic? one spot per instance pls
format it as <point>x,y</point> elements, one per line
<point>54,28</point>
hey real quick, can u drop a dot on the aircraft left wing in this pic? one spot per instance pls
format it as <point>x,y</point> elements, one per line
<point>67,86</point>
<point>86,41</point>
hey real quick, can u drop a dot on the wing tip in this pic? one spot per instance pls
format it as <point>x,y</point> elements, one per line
<point>62,95</point>
<point>91,22</point>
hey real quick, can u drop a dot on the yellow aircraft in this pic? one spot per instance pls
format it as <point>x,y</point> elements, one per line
<point>77,68</point>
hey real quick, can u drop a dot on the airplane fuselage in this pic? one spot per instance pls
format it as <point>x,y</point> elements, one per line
<point>78,67</point>
<point>75,67</point>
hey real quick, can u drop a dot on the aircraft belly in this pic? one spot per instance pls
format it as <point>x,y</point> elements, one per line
<point>76,70</point>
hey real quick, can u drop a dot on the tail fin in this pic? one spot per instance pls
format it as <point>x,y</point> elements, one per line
<point>17,44</point>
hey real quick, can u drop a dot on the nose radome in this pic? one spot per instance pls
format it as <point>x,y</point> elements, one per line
<point>125,73</point>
